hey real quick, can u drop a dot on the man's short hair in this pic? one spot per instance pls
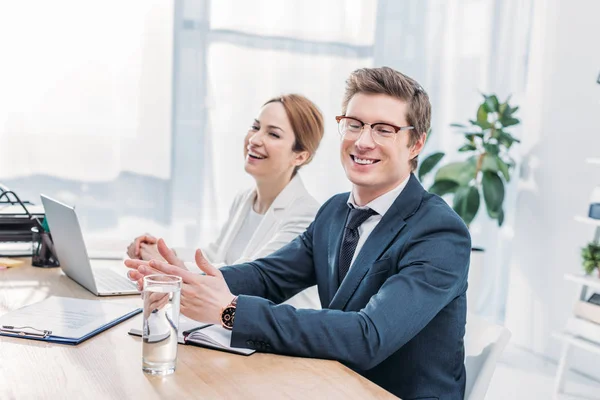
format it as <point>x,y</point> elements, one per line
<point>388,81</point>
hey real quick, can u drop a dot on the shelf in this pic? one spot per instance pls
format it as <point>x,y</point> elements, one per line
<point>584,329</point>
<point>593,161</point>
<point>588,280</point>
<point>587,220</point>
<point>577,341</point>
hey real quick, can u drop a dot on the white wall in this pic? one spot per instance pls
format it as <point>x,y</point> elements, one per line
<point>560,130</point>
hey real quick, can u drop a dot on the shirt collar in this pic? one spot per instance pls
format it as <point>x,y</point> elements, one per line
<point>382,203</point>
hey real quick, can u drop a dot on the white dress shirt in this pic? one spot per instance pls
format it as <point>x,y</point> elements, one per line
<point>379,205</point>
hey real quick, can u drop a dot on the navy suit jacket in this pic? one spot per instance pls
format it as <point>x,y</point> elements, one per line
<point>398,318</point>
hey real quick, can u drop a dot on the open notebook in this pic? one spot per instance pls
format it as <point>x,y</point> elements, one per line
<point>198,334</point>
<point>214,337</point>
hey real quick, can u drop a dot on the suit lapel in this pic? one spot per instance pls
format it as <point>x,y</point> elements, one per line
<point>405,205</point>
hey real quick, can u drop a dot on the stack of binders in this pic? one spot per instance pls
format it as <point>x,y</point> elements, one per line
<point>16,219</point>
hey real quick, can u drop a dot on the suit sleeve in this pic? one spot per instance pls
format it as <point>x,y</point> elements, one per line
<point>431,271</point>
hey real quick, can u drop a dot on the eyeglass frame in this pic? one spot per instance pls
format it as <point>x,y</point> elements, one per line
<point>397,129</point>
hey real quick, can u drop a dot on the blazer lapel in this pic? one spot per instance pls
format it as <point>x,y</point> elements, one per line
<point>291,192</point>
<point>405,205</point>
<point>260,233</point>
<point>236,224</point>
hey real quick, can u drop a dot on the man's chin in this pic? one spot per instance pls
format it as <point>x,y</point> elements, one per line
<point>361,180</point>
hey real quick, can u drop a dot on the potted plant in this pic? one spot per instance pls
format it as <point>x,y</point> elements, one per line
<point>590,257</point>
<point>487,166</point>
<point>482,174</point>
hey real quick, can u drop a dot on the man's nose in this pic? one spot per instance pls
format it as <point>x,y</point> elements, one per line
<point>365,139</point>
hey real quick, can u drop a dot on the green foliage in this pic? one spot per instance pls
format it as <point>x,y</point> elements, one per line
<point>590,257</point>
<point>486,169</point>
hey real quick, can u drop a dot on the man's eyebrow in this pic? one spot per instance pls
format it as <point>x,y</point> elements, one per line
<point>377,122</point>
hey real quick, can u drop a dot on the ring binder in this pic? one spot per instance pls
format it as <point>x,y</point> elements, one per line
<point>17,331</point>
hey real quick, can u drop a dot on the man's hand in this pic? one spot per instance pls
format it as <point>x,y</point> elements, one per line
<point>134,249</point>
<point>202,296</point>
<point>154,301</point>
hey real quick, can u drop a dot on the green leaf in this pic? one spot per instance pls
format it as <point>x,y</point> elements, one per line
<point>461,172</point>
<point>503,109</point>
<point>482,116</point>
<point>443,187</point>
<point>458,125</point>
<point>466,203</point>
<point>503,167</point>
<point>497,215</point>
<point>489,163</point>
<point>509,121</point>
<point>468,147</point>
<point>491,148</point>
<point>505,138</point>
<point>493,191</point>
<point>429,163</point>
<point>492,103</point>
<point>471,136</point>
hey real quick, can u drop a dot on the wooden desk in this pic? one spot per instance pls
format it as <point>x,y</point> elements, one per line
<point>109,366</point>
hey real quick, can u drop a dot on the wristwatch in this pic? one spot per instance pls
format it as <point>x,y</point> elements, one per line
<point>228,314</point>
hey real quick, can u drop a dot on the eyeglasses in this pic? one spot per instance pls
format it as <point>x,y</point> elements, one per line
<point>351,129</point>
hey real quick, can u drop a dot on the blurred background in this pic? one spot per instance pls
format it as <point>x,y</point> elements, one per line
<point>135,112</point>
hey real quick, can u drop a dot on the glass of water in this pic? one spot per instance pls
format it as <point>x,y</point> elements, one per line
<point>161,320</point>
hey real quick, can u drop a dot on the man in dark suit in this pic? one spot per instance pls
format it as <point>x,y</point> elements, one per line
<point>389,259</point>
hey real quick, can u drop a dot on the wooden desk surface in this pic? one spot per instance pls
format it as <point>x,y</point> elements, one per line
<point>109,365</point>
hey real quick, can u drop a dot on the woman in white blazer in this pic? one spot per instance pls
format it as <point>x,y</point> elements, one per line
<point>283,137</point>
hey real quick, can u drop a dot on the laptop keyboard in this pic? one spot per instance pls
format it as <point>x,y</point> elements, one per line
<point>110,281</point>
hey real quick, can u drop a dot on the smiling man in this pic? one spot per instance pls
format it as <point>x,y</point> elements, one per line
<point>390,261</point>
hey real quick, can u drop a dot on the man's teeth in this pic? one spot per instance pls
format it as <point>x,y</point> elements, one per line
<point>361,161</point>
<point>255,155</point>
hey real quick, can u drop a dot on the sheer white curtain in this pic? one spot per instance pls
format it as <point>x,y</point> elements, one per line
<point>457,50</point>
<point>85,105</point>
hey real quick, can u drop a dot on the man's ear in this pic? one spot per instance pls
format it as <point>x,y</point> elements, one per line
<point>415,150</point>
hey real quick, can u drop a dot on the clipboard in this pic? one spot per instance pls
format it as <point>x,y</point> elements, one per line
<point>65,320</point>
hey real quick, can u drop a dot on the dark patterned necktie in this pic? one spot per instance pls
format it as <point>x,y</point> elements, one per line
<point>355,219</point>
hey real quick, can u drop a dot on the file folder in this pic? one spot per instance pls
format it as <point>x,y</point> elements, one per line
<point>65,320</point>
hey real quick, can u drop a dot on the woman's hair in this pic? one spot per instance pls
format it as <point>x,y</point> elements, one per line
<point>306,121</point>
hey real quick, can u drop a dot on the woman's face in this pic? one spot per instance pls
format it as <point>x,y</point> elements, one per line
<point>268,144</point>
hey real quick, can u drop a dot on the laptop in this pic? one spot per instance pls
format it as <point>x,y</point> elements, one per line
<point>100,278</point>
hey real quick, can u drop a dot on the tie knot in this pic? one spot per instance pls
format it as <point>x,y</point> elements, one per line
<point>358,216</point>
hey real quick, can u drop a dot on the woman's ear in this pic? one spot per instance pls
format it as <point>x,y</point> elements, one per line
<point>301,157</point>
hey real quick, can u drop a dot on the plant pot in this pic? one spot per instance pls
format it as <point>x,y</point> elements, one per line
<point>475,280</point>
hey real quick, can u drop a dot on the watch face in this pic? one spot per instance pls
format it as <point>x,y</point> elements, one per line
<point>228,316</point>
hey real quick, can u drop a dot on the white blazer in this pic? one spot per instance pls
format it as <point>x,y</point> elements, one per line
<point>289,216</point>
